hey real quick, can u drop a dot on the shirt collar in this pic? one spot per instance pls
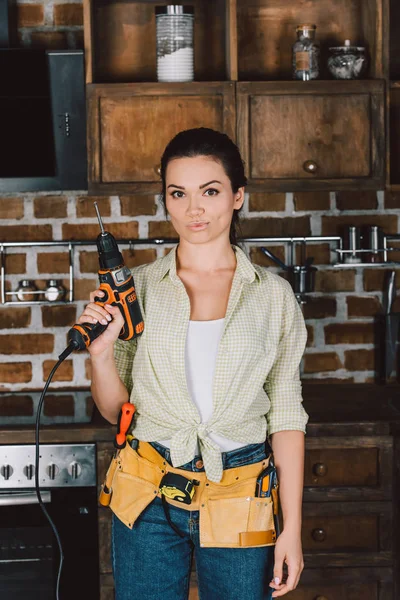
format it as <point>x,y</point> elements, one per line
<point>245,268</point>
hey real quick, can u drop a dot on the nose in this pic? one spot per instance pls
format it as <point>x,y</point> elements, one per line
<point>194,208</point>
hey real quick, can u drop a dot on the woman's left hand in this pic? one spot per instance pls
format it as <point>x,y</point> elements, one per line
<point>287,549</point>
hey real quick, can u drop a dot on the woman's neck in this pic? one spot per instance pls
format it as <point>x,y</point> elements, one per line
<point>205,257</point>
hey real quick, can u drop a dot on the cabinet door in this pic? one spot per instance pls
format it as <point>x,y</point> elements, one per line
<point>312,135</point>
<point>129,126</point>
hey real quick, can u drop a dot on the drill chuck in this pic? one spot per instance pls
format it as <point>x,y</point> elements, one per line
<point>109,255</point>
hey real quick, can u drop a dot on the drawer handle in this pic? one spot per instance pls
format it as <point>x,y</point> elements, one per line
<point>320,469</point>
<point>310,166</point>
<point>319,535</point>
<point>320,598</point>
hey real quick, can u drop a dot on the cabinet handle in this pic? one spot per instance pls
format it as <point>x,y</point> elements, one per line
<point>310,166</point>
<point>157,169</point>
<point>320,598</point>
<point>319,535</point>
<point>320,469</point>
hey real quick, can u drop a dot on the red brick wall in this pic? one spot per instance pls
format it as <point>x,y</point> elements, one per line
<point>339,314</point>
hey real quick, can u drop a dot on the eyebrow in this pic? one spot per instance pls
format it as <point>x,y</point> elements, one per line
<point>200,186</point>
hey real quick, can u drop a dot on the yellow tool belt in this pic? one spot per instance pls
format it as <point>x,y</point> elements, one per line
<point>231,516</point>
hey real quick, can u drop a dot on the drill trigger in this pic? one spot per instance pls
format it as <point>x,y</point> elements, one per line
<point>103,299</point>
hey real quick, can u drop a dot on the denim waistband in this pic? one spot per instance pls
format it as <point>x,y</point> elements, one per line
<point>247,455</point>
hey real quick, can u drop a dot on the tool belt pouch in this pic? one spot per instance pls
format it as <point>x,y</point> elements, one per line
<point>134,485</point>
<point>232,517</point>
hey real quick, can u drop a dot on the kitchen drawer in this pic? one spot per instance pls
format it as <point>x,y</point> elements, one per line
<point>348,468</point>
<point>348,533</point>
<point>341,533</point>
<point>344,584</point>
<point>323,135</point>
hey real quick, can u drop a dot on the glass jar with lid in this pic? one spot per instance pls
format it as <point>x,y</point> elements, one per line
<point>348,61</point>
<point>54,291</point>
<point>26,291</point>
<point>305,53</point>
<point>174,33</point>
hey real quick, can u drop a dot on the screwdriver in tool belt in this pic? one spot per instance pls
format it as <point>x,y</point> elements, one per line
<point>124,422</point>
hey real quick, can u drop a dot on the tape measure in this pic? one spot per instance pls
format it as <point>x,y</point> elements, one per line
<point>177,487</point>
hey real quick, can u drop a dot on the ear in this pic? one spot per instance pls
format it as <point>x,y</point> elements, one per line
<point>239,198</point>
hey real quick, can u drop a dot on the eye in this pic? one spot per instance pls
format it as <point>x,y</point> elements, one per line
<point>213,192</point>
<point>173,194</point>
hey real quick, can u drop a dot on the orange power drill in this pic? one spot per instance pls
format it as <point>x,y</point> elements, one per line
<point>117,283</point>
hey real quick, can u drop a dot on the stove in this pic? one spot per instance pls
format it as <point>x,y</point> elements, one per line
<point>29,557</point>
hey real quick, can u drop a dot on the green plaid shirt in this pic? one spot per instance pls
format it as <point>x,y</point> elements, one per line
<point>256,388</point>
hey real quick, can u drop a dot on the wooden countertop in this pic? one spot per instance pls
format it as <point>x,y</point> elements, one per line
<point>345,409</point>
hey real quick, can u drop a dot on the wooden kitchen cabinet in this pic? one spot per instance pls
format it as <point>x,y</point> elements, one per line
<point>129,126</point>
<point>315,136</point>
<point>293,135</point>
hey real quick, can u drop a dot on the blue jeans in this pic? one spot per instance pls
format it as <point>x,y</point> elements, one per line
<point>152,562</point>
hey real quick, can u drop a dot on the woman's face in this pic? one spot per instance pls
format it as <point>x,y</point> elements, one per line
<point>199,198</point>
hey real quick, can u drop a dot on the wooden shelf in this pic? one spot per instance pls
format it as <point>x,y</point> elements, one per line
<point>267,31</point>
<point>120,40</point>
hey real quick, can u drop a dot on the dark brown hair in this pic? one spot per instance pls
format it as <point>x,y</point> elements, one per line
<point>207,142</point>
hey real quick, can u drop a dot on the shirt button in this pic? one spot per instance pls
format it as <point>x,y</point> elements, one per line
<point>199,464</point>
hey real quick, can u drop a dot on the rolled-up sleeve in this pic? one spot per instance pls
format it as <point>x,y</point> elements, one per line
<point>283,385</point>
<point>124,353</point>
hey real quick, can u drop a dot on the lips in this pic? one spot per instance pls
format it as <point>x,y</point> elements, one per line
<point>197,226</point>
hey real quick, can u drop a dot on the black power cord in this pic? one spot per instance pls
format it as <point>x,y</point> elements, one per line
<point>72,346</point>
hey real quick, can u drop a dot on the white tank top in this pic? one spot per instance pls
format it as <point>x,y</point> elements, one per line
<point>201,349</point>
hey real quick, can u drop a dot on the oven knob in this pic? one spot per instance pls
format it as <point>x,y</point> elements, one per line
<point>52,470</point>
<point>6,471</point>
<point>75,470</point>
<point>29,471</point>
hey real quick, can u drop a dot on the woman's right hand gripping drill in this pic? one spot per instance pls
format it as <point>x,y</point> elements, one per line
<point>108,391</point>
<point>111,315</point>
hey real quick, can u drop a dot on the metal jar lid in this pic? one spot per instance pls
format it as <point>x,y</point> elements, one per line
<point>26,283</point>
<point>347,47</point>
<point>305,26</point>
<point>174,9</point>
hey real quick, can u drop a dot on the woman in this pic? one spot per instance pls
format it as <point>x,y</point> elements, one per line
<point>214,373</point>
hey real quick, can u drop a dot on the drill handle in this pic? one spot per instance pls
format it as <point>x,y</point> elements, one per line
<point>130,310</point>
<point>124,296</point>
<point>84,334</point>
